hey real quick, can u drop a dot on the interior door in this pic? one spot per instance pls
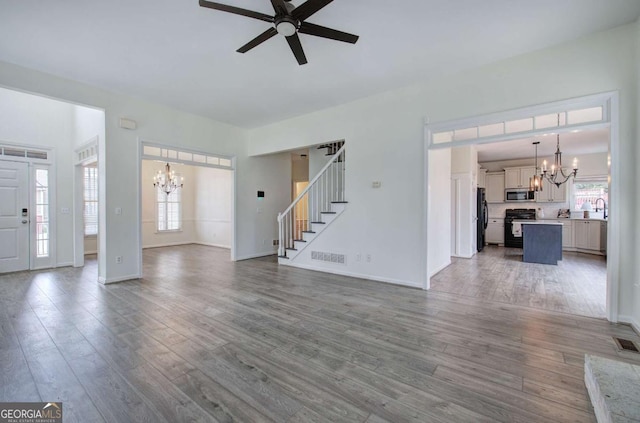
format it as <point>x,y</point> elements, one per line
<point>14,218</point>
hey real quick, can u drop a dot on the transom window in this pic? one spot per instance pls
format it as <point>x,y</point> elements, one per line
<point>521,125</point>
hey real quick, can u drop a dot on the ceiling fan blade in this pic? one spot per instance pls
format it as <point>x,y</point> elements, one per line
<point>308,8</point>
<point>296,48</point>
<point>236,10</point>
<point>279,7</point>
<point>258,40</point>
<point>324,32</point>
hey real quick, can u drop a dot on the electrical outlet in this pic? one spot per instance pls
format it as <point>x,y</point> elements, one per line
<point>118,259</point>
<point>368,258</point>
<point>358,257</point>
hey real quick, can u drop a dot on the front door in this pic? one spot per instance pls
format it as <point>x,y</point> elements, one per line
<point>14,216</point>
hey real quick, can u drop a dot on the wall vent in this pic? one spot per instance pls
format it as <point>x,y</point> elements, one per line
<point>329,257</point>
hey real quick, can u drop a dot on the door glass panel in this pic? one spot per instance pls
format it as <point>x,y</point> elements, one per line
<point>42,213</point>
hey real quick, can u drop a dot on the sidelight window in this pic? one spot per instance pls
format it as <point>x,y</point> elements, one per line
<point>42,213</point>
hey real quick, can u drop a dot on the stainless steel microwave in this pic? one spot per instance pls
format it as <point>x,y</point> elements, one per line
<point>519,195</point>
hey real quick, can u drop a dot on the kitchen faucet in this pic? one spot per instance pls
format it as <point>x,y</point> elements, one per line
<point>604,207</point>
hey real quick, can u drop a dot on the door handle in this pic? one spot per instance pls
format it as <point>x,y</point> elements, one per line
<point>25,221</point>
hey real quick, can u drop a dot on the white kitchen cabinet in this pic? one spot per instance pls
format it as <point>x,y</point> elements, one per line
<point>495,187</point>
<point>587,235</point>
<point>567,233</point>
<point>494,233</point>
<point>518,177</point>
<point>482,178</point>
<point>552,194</point>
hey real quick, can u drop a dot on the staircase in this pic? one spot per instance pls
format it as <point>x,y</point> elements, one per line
<point>315,208</point>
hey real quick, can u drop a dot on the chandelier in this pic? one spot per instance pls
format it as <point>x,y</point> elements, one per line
<point>558,175</point>
<point>168,182</point>
<point>535,182</point>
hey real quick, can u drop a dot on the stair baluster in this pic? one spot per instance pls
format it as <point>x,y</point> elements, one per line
<point>324,189</point>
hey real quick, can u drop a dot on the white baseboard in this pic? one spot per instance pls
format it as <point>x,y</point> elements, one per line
<point>352,274</point>
<point>630,321</point>
<point>441,268</point>
<point>210,244</point>
<point>65,264</point>
<point>462,256</point>
<point>256,255</point>
<point>107,281</point>
<point>167,244</point>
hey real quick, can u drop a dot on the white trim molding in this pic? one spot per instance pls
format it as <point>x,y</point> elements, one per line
<point>629,320</point>
<point>392,281</point>
<point>256,255</point>
<point>107,281</point>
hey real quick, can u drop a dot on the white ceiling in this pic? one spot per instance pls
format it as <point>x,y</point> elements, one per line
<point>571,144</point>
<point>177,53</point>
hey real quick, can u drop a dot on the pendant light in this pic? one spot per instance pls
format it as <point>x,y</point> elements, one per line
<point>557,175</point>
<point>535,182</point>
<point>168,182</point>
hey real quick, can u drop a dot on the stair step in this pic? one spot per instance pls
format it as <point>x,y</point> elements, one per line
<point>299,240</point>
<point>283,257</point>
<point>327,212</point>
<point>308,232</point>
<point>319,223</point>
<point>291,249</point>
<point>339,202</point>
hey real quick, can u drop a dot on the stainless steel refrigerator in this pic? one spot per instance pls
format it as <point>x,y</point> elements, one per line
<point>483,217</point>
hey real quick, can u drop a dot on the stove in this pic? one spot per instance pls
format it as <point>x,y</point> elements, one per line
<point>515,214</point>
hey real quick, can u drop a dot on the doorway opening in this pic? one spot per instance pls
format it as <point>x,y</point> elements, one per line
<point>197,211</point>
<point>589,120</point>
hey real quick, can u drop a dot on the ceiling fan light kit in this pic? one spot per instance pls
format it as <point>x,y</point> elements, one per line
<point>286,27</point>
<point>287,21</point>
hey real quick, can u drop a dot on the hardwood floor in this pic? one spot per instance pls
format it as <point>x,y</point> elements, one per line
<point>201,338</point>
<point>577,285</point>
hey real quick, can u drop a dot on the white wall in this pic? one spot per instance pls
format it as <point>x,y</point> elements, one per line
<point>385,136</point>
<point>464,169</point>
<point>119,163</point>
<point>206,206</point>
<point>300,168</point>
<point>258,229</point>
<point>439,200</point>
<point>150,236</point>
<point>212,203</point>
<point>317,160</point>
<point>38,121</point>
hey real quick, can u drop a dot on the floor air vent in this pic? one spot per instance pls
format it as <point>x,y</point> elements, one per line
<point>626,345</point>
<point>330,257</point>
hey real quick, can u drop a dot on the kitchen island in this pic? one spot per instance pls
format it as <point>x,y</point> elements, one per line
<point>542,242</point>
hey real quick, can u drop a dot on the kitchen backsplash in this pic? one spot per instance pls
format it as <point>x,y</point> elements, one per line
<point>498,210</point>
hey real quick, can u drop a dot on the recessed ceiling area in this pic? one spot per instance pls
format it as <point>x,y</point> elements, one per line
<point>183,55</point>
<point>571,144</point>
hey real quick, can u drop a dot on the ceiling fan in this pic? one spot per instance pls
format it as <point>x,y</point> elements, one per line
<point>288,20</point>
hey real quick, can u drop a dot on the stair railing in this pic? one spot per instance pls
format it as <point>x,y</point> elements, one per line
<point>326,187</point>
